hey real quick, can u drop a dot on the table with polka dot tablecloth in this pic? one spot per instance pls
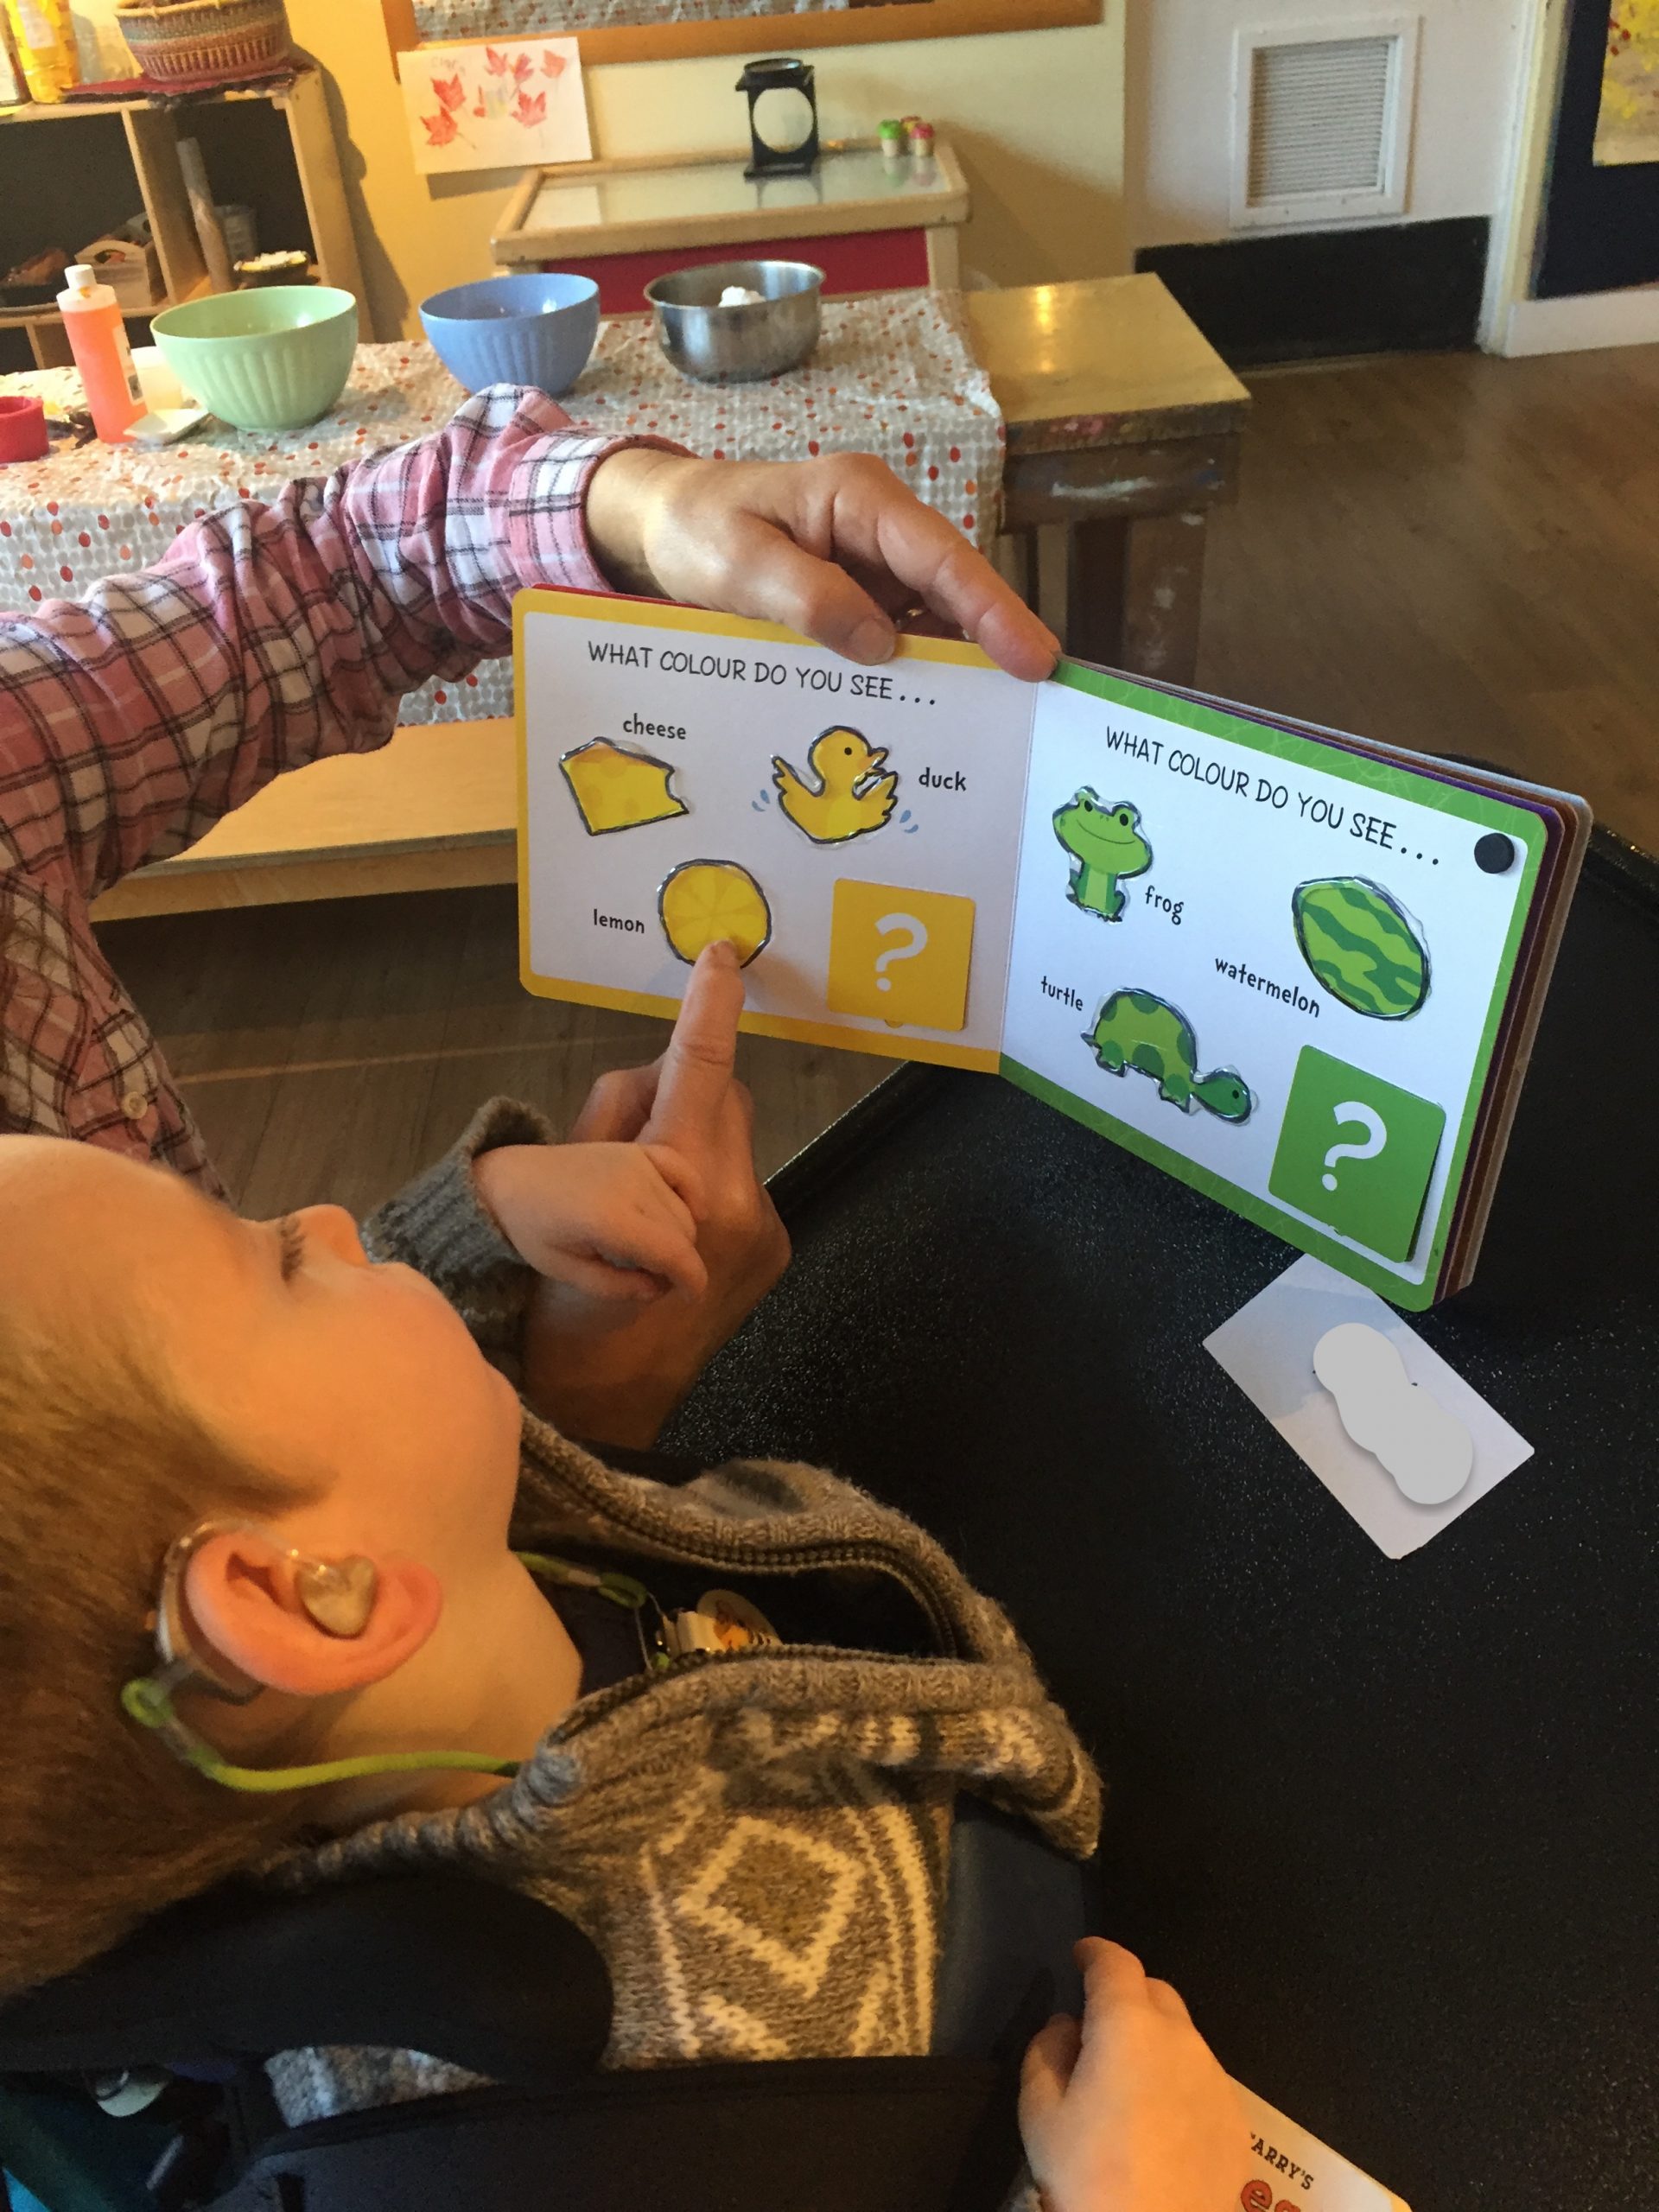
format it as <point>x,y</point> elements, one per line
<point>892,375</point>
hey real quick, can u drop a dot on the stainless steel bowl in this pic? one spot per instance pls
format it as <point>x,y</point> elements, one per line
<point>738,344</point>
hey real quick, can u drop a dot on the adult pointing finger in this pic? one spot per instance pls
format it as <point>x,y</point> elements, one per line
<point>619,1387</point>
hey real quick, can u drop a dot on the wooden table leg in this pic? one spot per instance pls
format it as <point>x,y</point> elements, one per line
<point>1163,590</point>
<point>1134,516</point>
<point>1015,558</point>
<point>1096,554</point>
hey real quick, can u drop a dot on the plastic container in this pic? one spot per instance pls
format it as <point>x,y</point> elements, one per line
<point>161,388</point>
<point>292,266</point>
<point>241,231</point>
<point>538,328</point>
<point>13,91</point>
<point>22,429</point>
<point>98,339</point>
<point>273,359</point>
<point>44,35</point>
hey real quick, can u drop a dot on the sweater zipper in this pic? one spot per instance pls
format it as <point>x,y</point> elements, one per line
<point>885,1558</point>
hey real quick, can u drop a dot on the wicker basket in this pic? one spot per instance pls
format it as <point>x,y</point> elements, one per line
<point>206,42</point>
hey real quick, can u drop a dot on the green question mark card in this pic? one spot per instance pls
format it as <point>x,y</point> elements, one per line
<point>1356,1153</point>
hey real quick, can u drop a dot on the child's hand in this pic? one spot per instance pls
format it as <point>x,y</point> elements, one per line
<point>616,1222</point>
<point>620,1385</point>
<point>1130,2112</point>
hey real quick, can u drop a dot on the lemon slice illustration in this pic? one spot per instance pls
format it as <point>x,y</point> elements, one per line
<point>706,902</point>
<point>616,787</point>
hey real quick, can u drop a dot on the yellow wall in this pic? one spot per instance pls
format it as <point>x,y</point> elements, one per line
<point>1037,117</point>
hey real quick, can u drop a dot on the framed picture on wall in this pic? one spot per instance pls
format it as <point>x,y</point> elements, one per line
<point>1600,226</point>
<point>661,30</point>
<point>495,106</point>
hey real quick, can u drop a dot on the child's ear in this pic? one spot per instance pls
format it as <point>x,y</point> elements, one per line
<point>241,1591</point>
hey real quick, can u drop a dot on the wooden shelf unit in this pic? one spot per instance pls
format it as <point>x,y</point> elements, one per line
<point>152,133</point>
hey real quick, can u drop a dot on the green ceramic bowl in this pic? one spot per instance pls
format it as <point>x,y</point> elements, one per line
<point>269,360</point>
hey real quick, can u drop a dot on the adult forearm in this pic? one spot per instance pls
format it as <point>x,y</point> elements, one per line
<point>273,636</point>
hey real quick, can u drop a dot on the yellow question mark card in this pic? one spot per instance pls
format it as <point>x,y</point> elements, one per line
<point>901,956</point>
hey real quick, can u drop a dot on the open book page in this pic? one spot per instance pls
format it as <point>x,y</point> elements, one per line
<point>688,776</point>
<point>1274,968</point>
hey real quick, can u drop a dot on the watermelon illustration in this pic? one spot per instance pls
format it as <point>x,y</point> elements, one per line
<point>1362,945</point>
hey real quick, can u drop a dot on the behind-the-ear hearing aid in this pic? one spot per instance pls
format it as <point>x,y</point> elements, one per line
<point>338,1596</point>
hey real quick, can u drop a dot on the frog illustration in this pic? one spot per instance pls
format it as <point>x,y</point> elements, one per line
<point>1105,843</point>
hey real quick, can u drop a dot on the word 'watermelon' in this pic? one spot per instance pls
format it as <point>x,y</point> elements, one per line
<point>1361,946</point>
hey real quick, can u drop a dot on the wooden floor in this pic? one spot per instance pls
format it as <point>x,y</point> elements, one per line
<point>329,1051</point>
<point>1459,554</point>
<point>1454,553</point>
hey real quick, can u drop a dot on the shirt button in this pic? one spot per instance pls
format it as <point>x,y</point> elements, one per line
<point>134,1105</point>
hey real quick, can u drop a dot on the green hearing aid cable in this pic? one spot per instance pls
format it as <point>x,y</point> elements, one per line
<point>148,1699</point>
<point>150,1705</point>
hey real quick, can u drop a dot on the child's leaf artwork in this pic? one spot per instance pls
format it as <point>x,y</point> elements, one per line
<point>1203,933</point>
<point>485,106</point>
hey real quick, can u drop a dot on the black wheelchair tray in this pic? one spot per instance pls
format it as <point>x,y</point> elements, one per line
<point>1389,1827</point>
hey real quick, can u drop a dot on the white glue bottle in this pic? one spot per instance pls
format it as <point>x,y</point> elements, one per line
<point>98,339</point>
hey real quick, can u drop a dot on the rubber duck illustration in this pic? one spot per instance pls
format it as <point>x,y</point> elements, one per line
<point>851,800</point>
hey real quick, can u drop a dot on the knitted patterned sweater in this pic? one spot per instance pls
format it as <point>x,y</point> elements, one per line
<point>757,1842</point>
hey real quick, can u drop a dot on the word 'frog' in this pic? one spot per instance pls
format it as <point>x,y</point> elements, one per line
<point>1136,1029</point>
<point>1105,843</point>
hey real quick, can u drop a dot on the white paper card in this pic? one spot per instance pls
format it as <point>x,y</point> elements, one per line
<point>495,107</point>
<point>1293,2172</point>
<point>1268,1349</point>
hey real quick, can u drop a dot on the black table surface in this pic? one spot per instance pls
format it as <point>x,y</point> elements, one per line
<point>1390,1826</point>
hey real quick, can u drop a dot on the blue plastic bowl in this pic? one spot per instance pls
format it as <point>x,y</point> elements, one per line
<point>537,328</point>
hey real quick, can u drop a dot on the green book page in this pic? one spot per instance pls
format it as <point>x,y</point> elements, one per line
<point>1271,967</point>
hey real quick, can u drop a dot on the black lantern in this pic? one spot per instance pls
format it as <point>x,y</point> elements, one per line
<point>760,80</point>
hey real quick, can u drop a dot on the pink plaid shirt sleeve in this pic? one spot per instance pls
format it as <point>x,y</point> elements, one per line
<point>265,637</point>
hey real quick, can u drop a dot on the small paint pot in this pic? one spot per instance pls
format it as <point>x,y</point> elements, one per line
<point>22,428</point>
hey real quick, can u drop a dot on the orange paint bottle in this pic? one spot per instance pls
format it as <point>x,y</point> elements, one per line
<point>98,339</point>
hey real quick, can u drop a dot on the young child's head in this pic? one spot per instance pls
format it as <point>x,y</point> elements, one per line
<point>164,1363</point>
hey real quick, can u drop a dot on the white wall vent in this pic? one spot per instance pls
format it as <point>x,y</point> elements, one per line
<point>1322,120</point>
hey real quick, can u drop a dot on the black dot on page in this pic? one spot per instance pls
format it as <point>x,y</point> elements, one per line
<point>1494,853</point>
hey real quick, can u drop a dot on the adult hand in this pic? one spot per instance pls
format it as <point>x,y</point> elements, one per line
<point>618,1385</point>
<point>1130,2109</point>
<point>833,548</point>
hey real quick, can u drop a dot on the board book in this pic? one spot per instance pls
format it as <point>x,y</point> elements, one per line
<point>1299,970</point>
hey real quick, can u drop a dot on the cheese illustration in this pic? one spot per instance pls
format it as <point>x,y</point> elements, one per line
<point>617,788</point>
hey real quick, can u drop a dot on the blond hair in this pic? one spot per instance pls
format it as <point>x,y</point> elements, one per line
<point>100,1468</point>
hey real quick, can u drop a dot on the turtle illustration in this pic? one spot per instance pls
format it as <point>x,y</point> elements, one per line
<point>1105,843</point>
<point>1136,1029</point>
